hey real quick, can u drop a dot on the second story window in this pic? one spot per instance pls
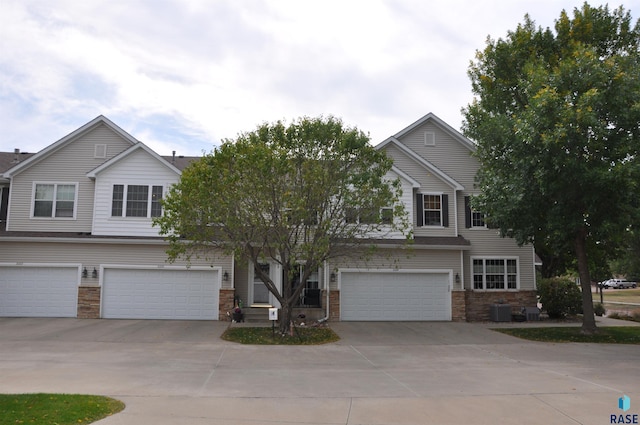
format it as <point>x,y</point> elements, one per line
<point>136,201</point>
<point>54,200</point>
<point>369,215</point>
<point>432,210</point>
<point>473,219</point>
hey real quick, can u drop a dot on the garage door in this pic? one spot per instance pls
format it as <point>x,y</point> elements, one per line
<point>38,291</point>
<point>160,294</point>
<point>394,296</point>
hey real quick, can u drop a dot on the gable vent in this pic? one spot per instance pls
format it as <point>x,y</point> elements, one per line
<point>100,151</point>
<point>429,138</point>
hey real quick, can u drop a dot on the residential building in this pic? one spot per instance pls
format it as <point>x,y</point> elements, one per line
<point>76,240</point>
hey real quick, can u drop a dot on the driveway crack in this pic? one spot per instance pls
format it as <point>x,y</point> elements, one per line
<point>213,370</point>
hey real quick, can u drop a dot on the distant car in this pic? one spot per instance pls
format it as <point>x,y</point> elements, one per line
<point>618,284</point>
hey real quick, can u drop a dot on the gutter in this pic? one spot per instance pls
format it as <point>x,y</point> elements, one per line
<point>327,284</point>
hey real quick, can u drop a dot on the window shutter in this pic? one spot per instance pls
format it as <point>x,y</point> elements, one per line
<point>445,210</point>
<point>419,210</point>
<point>467,212</point>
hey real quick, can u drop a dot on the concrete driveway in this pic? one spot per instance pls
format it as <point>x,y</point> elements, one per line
<point>180,372</point>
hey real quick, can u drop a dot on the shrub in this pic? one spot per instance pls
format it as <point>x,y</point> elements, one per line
<point>599,310</point>
<point>560,297</point>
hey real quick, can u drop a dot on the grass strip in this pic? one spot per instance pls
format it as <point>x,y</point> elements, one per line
<point>59,409</point>
<point>605,335</point>
<point>266,336</point>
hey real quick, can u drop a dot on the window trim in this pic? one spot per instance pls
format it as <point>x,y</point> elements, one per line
<point>149,206</point>
<point>358,216</point>
<point>55,185</point>
<point>420,210</point>
<point>484,273</point>
<point>469,215</point>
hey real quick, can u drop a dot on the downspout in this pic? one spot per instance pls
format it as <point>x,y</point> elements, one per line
<point>326,285</point>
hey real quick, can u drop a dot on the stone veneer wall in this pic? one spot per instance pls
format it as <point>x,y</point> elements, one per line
<point>478,303</point>
<point>334,304</point>
<point>88,302</point>
<point>458,306</point>
<point>226,303</point>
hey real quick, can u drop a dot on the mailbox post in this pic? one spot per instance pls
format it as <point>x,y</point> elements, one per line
<point>273,316</point>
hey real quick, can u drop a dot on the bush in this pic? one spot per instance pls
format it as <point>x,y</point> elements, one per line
<point>599,309</point>
<point>560,297</point>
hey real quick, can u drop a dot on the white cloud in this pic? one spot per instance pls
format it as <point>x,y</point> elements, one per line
<point>181,75</point>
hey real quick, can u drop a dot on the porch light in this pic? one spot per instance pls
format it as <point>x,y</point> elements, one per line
<point>85,273</point>
<point>225,276</point>
<point>457,278</point>
<point>94,273</point>
<point>332,277</point>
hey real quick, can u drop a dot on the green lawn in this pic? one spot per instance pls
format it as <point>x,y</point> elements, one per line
<point>59,409</point>
<point>267,336</point>
<point>630,296</point>
<point>605,335</point>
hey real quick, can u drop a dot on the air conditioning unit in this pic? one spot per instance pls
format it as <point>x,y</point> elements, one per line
<point>500,313</point>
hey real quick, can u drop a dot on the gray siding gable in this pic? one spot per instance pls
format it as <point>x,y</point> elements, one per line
<point>432,119</point>
<point>72,137</point>
<point>417,166</point>
<point>68,160</point>
<point>451,152</point>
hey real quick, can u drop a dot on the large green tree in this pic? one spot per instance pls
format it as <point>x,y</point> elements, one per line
<point>556,116</point>
<point>297,195</point>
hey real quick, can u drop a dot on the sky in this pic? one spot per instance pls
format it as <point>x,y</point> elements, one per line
<point>183,75</point>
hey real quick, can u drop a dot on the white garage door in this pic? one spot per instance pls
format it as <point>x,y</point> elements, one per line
<point>394,296</point>
<point>38,291</point>
<point>160,294</point>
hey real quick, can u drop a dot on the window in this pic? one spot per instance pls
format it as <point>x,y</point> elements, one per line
<point>369,215</point>
<point>387,215</point>
<point>477,219</point>
<point>117,201</point>
<point>473,219</point>
<point>55,200</point>
<point>156,199</point>
<point>310,296</point>
<point>495,273</point>
<point>136,201</point>
<point>432,210</point>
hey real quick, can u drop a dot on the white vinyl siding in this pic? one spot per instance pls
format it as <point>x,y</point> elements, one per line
<point>128,195</point>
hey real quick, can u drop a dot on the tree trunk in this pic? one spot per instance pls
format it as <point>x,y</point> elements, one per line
<point>588,317</point>
<point>284,319</point>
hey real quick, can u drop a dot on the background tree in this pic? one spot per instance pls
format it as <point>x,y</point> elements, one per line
<point>296,194</point>
<point>557,121</point>
<point>628,264</point>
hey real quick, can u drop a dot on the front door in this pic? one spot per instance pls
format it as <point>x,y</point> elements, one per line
<point>260,291</point>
